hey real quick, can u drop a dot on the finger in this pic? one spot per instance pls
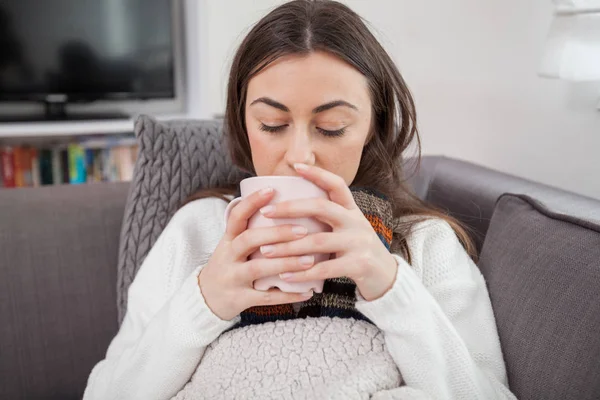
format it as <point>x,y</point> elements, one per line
<point>241,213</point>
<point>276,296</point>
<point>335,268</point>
<point>324,210</point>
<point>322,242</point>
<point>333,184</point>
<point>263,267</point>
<point>250,240</point>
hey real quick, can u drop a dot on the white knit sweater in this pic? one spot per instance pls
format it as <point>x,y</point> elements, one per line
<point>436,321</point>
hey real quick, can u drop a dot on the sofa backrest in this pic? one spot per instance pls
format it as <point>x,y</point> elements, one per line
<point>58,272</point>
<point>469,193</point>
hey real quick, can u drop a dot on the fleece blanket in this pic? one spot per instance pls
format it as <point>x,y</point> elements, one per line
<point>311,358</point>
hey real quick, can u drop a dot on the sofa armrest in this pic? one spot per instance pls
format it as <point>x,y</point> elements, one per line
<point>58,259</point>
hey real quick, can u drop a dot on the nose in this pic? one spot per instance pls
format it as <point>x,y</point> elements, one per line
<point>300,149</point>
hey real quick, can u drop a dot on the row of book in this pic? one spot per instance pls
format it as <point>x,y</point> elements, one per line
<point>99,159</point>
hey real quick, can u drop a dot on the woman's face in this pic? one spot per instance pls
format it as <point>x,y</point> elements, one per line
<point>313,109</point>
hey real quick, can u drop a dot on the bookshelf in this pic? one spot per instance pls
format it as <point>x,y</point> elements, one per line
<point>36,154</point>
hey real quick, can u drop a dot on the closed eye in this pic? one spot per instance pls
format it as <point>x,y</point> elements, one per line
<point>271,129</point>
<point>325,132</point>
<point>338,132</point>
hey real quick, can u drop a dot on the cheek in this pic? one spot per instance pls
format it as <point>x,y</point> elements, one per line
<point>264,152</point>
<point>256,144</point>
<point>343,160</point>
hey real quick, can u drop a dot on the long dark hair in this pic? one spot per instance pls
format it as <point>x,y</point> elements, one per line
<point>301,27</point>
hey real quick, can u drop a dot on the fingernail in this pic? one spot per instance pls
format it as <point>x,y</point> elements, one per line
<point>267,249</point>
<point>301,167</point>
<point>307,260</point>
<point>266,191</point>
<point>308,294</point>
<point>286,275</point>
<point>266,209</point>
<point>299,230</point>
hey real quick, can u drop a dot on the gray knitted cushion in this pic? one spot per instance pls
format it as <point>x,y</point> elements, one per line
<point>175,159</point>
<point>543,273</point>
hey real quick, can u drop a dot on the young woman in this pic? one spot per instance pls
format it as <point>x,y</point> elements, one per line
<point>405,312</point>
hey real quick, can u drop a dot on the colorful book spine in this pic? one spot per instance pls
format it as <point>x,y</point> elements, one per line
<point>125,163</point>
<point>56,166</point>
<point>77,172</point>
<point>46,170</point>
<point>89,164</point>
<point>27,166</point>
<point>19,165</point>
<point>7,158</point>
<point>98,165</point>
<point>36,176</point>
<point>64,163</point>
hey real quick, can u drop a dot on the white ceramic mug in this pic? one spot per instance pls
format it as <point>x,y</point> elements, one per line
<point>286,188</point>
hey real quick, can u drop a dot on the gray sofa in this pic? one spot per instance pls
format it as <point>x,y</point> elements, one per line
<point>539,250</point>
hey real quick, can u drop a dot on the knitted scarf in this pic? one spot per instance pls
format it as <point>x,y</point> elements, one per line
<point>339,295</point>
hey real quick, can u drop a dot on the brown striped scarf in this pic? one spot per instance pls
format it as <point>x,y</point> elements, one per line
<point>338,297</point>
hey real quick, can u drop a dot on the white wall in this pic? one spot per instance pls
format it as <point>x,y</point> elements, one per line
<point>471,65</point>
<point>220,27</point>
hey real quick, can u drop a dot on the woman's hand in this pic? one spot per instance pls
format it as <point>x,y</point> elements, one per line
<point>227,279</point>
<point>359,253</point>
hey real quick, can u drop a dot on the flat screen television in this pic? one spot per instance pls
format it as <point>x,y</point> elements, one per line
<point>60,51</point>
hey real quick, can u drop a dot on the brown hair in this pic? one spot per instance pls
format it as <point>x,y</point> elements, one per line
<point>303,26</point>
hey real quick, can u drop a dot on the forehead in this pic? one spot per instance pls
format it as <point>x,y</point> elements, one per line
<point>310,80</point>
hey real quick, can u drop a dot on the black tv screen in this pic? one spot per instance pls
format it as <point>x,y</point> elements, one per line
<point>86,49</point>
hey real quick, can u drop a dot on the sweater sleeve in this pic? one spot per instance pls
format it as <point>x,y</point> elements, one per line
<point>167,325</point>
<point>438,320</point>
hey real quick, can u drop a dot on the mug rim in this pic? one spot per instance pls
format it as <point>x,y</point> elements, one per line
<point>275,177</point>
<point>279,180</point>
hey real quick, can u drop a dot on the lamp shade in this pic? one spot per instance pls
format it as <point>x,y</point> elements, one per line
<point>577,5</point>
<point>572,51</point>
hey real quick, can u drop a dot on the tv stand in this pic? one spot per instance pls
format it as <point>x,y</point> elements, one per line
<point>55,110</point>
<point>23,131</point>
<point>67,118</point>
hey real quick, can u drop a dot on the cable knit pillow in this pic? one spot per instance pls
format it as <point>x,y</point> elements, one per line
<point>175,159</point>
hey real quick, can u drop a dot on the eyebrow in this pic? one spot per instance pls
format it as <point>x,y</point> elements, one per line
<point>316,110</point>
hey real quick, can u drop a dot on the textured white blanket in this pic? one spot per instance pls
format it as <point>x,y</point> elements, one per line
<point>314,358</point>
